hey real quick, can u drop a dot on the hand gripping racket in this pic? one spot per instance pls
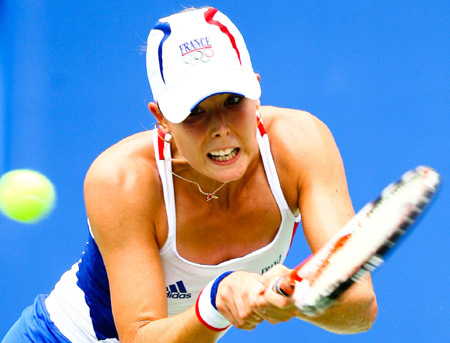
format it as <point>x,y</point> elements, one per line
<point>359,247</point>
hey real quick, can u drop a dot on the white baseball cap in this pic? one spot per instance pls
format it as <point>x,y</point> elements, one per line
<point>195,54</point>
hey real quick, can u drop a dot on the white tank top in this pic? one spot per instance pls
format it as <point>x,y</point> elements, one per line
<point>80,305</point>
<point>185,279</point>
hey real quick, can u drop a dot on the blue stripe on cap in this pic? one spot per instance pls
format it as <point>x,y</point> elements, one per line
<point>165,28</point>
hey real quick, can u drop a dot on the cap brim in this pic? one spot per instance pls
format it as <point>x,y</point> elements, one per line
<point>178,101</point>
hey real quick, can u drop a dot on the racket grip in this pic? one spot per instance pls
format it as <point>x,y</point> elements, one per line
<point>284,286</point>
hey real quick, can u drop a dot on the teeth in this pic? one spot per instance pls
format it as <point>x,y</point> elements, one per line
<point>221,152</point>
<point>223,155</point>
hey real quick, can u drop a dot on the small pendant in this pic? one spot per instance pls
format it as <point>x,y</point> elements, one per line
<point>210,196</point>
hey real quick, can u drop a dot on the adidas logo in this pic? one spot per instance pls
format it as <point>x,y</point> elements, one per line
<point>177,291</point>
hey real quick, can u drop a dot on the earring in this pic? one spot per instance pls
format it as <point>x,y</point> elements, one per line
<point>161,134</point>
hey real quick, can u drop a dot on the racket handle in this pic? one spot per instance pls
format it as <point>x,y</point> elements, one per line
<point>284,286</point>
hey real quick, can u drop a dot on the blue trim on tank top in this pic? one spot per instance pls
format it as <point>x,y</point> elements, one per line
<point>93,280</point>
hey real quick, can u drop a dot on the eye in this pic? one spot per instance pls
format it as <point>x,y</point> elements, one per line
<point>233,99</point>
<point>195,112</point>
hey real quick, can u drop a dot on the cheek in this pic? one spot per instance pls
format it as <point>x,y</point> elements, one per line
<point>248,129</point>
<point>185,147</point>
<point>191,134</point>
<point>188,147</point>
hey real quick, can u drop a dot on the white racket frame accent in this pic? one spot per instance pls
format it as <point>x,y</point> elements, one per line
<point>359,247</point>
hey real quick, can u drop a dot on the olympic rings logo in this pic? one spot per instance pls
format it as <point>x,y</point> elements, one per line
<point>198,56</point>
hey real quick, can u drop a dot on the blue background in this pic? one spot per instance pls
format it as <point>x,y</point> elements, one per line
<point>73,82</point>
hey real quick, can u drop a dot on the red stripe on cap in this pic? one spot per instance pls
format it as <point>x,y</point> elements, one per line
<point>209,15</point>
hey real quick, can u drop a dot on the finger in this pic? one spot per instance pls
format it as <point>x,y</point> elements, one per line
<point>275,272</point>
<point>256,298</point>
<point>238,303</point>
<point>228,311</point>
<point>237,311</point>
<point>278,300</point>
<point>277,308</point>
<point>283,285</point>
<point>247,310</point>
<point>258,319</point>
<point>254,320</point>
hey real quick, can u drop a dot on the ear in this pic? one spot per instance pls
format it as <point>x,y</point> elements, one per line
<point>154,108</point>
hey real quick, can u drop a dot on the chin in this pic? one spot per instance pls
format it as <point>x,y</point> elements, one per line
<point>226,172</point>
<point>230,175</point>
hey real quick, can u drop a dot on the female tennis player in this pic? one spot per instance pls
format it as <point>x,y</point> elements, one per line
<point>191,221</point>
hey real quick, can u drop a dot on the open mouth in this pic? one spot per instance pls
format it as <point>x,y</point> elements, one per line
<point>223,155</point>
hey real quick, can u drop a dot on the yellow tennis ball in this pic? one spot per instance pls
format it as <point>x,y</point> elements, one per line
<point>26,195</point>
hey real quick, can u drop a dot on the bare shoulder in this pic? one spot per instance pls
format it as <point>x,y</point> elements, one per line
<point>123,160</point>
<point>297,126</point>
<point>302,147</point>
<point>122,184</point>
<point>298,136</point>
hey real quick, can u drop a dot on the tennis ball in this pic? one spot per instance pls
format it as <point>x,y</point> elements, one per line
<point>26,196</point>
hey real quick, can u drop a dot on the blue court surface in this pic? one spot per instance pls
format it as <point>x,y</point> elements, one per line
<point>73,82</point>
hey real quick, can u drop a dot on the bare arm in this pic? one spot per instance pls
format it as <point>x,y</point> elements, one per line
<point>325,205</point>
<point>306,155</point>
<point>122,204</point>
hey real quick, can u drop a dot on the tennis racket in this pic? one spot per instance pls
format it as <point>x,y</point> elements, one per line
<point>361,245</point>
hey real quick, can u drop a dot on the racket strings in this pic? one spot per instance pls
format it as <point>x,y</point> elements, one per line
<point>377,229</point>
<point>368,237</point>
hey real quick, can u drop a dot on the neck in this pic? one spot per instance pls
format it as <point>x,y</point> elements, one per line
<point>210,188</point>
<point>183,171</point>
<point>210,195</point>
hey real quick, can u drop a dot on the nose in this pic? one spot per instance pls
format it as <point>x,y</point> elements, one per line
<point>219,125</point>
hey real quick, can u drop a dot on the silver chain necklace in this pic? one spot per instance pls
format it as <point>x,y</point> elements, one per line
<point>209,196</point>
